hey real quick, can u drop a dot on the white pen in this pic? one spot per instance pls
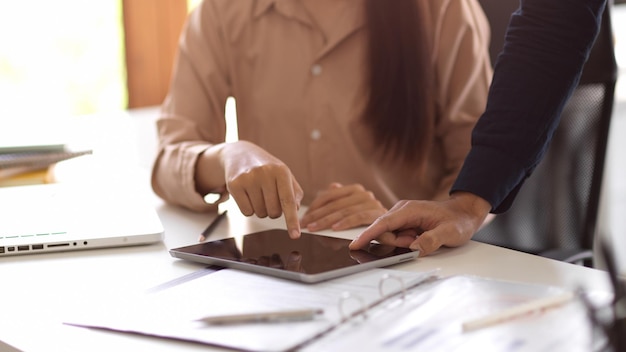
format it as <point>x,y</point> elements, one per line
<point>517,311</point>
<point>262,317</point>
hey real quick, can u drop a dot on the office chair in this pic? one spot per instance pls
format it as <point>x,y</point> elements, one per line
<point>555,213</point>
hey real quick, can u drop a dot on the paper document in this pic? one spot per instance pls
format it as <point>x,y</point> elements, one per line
<point>377,310</point>
<point>430,318</point>
<point>174,312</point>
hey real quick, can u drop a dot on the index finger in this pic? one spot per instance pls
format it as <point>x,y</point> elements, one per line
<point>375,230</point>
<point>394,219</point>
<point>289,204</point>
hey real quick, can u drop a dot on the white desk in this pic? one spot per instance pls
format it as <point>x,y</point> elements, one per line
<point>37,291</point>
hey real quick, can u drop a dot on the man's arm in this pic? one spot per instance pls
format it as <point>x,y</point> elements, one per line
<point>546,46</point>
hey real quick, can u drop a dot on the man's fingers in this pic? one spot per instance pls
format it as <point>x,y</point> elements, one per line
<point>426,243</point>
<point>449,223</point>
<point>393,239</point>
<point>443,235</point>
<point>379,228</point>
<point>393,220</point>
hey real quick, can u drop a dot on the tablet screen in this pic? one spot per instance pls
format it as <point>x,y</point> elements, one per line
<point>310,258</point>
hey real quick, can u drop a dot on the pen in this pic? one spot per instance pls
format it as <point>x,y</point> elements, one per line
<point>212,226</point>
<point>263,317</point>
<point>517,311</point>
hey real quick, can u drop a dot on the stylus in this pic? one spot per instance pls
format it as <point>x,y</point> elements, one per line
<point>263,317</point>
<point>212,226</point>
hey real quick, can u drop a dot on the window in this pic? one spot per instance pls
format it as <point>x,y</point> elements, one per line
<point>60,58</point>
<point>72,57</point>
<point>67,57</point>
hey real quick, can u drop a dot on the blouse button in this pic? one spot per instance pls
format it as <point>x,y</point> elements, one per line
<point>316,135</point>
<point>316,70</point>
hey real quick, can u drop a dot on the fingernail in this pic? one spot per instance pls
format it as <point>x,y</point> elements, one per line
<point>295,234</point>
<point>414,247</point>
<point>201,238</point>
<point>312,226</point>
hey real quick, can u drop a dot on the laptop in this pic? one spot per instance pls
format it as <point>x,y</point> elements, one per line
<point>66,217</point>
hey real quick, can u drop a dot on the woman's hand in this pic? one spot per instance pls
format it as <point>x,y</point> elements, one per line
<point>342,207</point>
<point>261,184</point>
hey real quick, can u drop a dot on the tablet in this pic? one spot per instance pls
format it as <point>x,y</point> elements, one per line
<point>311,258</point>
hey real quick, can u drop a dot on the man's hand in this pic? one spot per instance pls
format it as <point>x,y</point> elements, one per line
<point>342,207</point>
<point>425,226</point>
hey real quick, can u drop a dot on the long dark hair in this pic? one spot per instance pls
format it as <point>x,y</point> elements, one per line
<point>400,111</point>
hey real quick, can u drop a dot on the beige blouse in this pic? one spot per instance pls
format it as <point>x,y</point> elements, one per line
<point>299,95</point>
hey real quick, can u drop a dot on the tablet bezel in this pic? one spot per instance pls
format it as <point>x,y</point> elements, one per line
<point>394,255</point>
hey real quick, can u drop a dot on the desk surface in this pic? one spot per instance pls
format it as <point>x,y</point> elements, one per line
<point>38,291</point>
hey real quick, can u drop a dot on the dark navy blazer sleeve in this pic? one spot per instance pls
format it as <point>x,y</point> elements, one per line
<point>547,43</point>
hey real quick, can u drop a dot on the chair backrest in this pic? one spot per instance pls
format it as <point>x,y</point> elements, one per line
<point>557,208</point>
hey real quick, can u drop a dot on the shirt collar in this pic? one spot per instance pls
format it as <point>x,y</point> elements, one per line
<point>288,8</point>
<point>262,6</point>
<point>292,9</point>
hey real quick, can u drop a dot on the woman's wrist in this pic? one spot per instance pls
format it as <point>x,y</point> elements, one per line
<point>209,170</point>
